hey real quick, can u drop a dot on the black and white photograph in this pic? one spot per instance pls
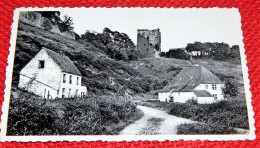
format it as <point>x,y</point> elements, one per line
<point>116,74</point>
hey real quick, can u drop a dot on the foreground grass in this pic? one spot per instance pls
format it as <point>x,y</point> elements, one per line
<point>97,115</point>
<point>221,117</point>
<point>152,127</point>
<point>202,128</point>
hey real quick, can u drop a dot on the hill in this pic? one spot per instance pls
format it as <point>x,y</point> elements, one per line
<point>101,74</point>
<point>160,70</point>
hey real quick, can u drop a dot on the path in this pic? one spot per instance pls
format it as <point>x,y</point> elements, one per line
<point>154,121</point>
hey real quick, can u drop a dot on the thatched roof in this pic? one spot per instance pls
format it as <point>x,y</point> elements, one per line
<point>190,77</point>
<point>202,93</point>
<point>65,64</point>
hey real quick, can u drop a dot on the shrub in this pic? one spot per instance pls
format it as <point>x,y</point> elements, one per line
<point>231,112</point>
<point>32,115</point>
<point>200,128</point>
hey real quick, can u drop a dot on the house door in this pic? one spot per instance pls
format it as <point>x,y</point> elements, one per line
<point>171,99</point>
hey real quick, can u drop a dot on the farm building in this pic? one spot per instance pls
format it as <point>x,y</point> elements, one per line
<point>196,83</point>
<point>52,75</point>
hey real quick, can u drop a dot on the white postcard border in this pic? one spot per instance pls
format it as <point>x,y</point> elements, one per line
<point>9,70</point>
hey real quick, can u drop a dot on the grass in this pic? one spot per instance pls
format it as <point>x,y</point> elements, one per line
<point>202,128</point>
<point>152,127</point>
<point>97,115</point>
<point>161,70</point>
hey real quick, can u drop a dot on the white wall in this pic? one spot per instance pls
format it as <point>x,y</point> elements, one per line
<point>180,97</point>
<point>206,100</point>
<point>164,96</point>
<point>45,79</point>
<point>218,90</point>
<point>70,89</point>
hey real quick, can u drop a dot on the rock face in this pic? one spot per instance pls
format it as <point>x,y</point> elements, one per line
<point>36,19</point>
<point>149,42</point>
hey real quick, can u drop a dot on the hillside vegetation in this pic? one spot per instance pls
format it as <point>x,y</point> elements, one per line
<point>95,115</point>
<point>101,74</point>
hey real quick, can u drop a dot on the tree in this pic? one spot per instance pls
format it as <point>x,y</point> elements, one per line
<point>54,16</point>
<point>234,52</point>
<point>66,24</point>
<point>230,90</point>
<point>177,53</point>
<point>220,52</point>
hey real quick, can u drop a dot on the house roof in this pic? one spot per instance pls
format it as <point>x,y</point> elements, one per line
<point>65,64</point>
<point>190,77</point>
<point>202,93</point>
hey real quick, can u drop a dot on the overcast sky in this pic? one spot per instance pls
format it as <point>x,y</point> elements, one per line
<point>178,26</point>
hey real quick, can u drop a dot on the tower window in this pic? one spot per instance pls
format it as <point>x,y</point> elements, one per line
<point>41,64</point>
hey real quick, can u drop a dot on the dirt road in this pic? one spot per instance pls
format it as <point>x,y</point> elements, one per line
<point>154,122</point>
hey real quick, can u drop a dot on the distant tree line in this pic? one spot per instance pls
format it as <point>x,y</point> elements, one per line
<point>116,45</point>
<point>178,53</point>
<point>216,51</point>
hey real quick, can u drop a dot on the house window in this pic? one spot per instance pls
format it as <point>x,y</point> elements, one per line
<point>70,79</point>
<point>214,87</point>
<point>215,96</point>
<point>63,92</point>
<point>171,99</point>
<point>77,80</point>
<point>151,44</point>
<point>144,44</point>
<point>147,49</point>
<point>44,93</point>
<point>82,94</point>
<point>69,93</point>
<point>41,64</point>
<point>48,94</point>
<point>76,93</point>
<point>206,87</point>
<point>64,78</point>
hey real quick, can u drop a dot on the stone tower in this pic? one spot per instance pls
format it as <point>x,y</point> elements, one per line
<point>149,42</point>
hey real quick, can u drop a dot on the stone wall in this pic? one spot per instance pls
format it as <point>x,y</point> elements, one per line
<point>36,19</point>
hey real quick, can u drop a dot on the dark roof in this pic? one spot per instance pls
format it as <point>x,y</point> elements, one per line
<point>190,77</point>
<point>65,64</point>
<point>202,93</point>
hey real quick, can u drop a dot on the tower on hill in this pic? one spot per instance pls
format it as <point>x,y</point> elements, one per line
<point>149,42</point>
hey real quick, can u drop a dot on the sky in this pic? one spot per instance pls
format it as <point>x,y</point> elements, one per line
<point>178,26</point>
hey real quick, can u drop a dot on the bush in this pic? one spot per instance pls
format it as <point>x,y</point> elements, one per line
<point>200,128</point>
<point>31,115</point>
<point>231,112</point>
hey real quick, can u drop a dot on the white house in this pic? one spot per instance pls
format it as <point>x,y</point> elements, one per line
<point>196,83</point>
<point>52,75</point>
